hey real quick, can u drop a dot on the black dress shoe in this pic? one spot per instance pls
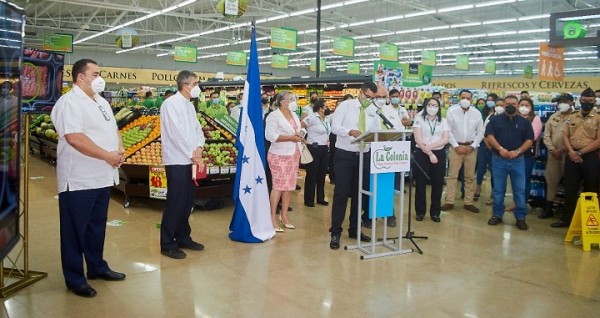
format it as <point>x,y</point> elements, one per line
<point>174,253</point>
<point>298,187</point>
<point>84,290</point>
<point>494,220</point>
<point>560,223</point>
<point>108,275</point>
<point>192,246</point>
<point>420,217</point>
<point>310,205</point>
<point>325,203</point>
<point>335,242</point>
<point>436,219</point>
<point>521,225</point>
<point>368,223</point>
<point>363,238</point>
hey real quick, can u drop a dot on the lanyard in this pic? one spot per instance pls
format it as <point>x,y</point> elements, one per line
<point>431,128</point>
<point>325,124</point>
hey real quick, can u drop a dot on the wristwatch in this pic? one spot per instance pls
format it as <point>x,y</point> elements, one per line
<point>518,151</point>
<point>578,152</point>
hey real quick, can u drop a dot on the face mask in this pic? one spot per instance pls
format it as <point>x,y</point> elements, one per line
<point>135,99</point>
<point>395,100</point>
<point>293,106</point>
<point>364,102</point>
<point>510,109</point>
<point>464,103</point>
<point>327,111</point>
<point>524,110</point>
<point>490,104</point>
<point>597,101</point>
<point>313,100</point>
<point>499,110</point>
<point>380,102</point>
<point>563,107</point>
<point>432,111</point>
<point>98,84</point>
<point>265,100</point>
<point>216,101</point>
<point>195,92</point>
<point>586,107</point>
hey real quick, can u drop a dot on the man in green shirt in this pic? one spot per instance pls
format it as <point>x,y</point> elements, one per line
<point>149,101</point>
<point>214,107</point>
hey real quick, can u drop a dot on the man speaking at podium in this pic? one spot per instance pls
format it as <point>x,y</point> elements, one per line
<point>352,118</point>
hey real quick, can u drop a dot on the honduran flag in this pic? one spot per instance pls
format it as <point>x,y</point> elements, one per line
<point>251,222</point>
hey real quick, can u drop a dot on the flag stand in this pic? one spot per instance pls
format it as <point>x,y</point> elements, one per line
<point>369,250</point>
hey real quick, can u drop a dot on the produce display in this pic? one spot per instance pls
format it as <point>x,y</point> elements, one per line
<point>43,127</point>
<point>139,133</point>
<point>149,155</point>
<point>126,116</point>
<point>214,131</point>
<point>219,154</point>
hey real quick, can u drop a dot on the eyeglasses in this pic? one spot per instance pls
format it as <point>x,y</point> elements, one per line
<point>432,105</point>
<point>106,117</point>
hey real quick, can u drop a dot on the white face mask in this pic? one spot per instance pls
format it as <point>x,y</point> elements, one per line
<point>597,101</point>
<point>292,106</point>
<point>563,107</point>
<point>524,110</point>
<point>464,103</point>
<point>195,92</point>
<point>499,110</point>
<point>98,84</point>
<point>380,102</point>
<point>432,111</point>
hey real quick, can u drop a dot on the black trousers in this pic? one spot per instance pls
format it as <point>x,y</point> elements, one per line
<point>574,173</point>
<point>315,174</point>
<point>83,216</point>
<point>332,150</point>
<point>346,185</point>
<point>436,173</point>
<point>175,226</point>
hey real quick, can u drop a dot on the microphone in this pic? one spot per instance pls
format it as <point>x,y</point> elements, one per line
<point>386,121</point>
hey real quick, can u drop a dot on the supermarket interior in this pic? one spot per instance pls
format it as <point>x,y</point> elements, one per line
<point>321,56</point>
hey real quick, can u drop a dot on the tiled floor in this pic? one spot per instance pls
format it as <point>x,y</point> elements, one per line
<point>468,269</point>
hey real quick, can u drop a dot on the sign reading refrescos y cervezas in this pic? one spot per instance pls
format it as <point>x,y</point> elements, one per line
<point>185,54</point>
<point>284,38</point>
<point>388,52</point>
<point>280,61</point>
<point>238,58</point>
<point>343,46</point>
<point>58,42</point>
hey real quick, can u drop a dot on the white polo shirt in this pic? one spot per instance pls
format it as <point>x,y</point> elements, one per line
<point>180,131</point>
<point>318,130</point>
<point>76,112</point>
<point>345,118</point>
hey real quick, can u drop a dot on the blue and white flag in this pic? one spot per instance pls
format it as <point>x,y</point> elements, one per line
<point>251,222</point>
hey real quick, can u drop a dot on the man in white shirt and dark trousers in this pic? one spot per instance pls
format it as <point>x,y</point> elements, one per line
<point>90,151</point>
<point>352,118</point>
<point>182,142</point>
<point>466,133</point>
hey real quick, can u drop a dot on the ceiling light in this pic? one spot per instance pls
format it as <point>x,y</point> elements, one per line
<point>533,17</point>
<point>457,8</point>
<point>493,3</point>
<point>533,31</point>
<point>417,14</point>
<point>462,25</point>
<point>301,12</point>
<point>441,27</point>
<point>498,21</point>
<point>408,31</point>
<point>397,17</point>
<point>502,33</point>
<point>361,23</point>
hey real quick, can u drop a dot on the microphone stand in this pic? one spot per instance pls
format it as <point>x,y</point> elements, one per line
<point>410,234</point>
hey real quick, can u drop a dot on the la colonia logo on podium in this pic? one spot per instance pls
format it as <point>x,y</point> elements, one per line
<point>386,158</point>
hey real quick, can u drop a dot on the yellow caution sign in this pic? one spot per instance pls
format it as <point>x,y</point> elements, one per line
<point>585,223</point>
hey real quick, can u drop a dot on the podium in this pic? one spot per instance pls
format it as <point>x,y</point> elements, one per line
<point>385,247</point>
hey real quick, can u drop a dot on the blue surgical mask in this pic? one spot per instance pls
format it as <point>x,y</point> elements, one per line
<point>135,99</point>
<point>216,101</point>
<point>395,100</point>
<point>490,104</point>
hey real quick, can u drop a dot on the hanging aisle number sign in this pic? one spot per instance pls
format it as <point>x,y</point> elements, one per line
<point>231,7</point>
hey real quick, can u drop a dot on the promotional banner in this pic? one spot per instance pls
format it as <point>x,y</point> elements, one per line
<point>58,42</point>
<point>158,182</point>
<point>284,38</point>
<point>238,58</point>
<point>388,52</point>
<point>186,54</point>
<point>313,65</point>
<point>490,66</point>
<point>528,72</point>
<point>462,62</point>
<point>393,74</point>
<point>353,68</point>
<point>428,57</point>
<point>126,38</point>
<point>343,46</point>
<point>280,61</point>
<point>552,63</point>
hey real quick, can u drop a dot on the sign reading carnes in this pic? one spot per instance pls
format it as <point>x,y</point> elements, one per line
<point>569,84</point>
<point>118,75</point>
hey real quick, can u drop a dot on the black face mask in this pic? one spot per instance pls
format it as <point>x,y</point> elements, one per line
<point>327,111</point>
<point>586,107</point>
<point>510,109</point>
<point>313,100</point>
<point>265,100</point>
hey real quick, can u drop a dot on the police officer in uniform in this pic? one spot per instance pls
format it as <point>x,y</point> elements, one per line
<point>581,136</point>
<point>555,165</point>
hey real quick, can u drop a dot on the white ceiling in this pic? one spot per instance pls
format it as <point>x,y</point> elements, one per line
<point>508,31</point>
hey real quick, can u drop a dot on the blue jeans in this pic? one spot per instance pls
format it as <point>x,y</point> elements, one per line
<point>484,162</point>
<point>529,162</point>
<point>501,169</point>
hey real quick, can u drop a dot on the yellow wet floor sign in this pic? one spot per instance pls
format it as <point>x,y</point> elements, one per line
<point>586,221</point>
